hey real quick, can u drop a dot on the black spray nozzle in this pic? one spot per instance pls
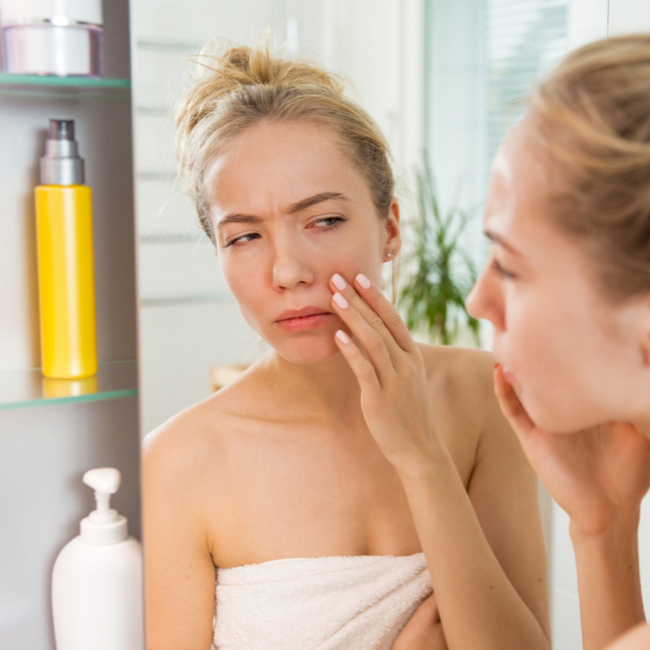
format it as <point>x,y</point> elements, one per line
<point>61,130</point>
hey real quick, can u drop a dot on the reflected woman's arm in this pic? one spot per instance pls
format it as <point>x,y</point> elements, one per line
<point>179,571</point>
<point>483,544</point>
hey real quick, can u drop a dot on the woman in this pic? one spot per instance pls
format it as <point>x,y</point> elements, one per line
<point>567,287</point>
<point>332,491</point>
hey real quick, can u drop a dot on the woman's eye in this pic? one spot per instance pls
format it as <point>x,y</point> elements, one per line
<point>242,239</point>
<point>500,270</point>
<point>327,222</point>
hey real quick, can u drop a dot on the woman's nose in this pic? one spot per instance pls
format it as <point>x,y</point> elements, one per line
<point>485,300</point>
<point>291,265</point>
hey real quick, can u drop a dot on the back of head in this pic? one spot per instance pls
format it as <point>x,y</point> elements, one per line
<point>593,117</point>
<point>242,86</point>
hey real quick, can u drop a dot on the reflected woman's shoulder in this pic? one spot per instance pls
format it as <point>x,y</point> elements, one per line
<point>465,364</point>
<point>201,430</point>
<point>462,385</point>
<point>195,432</point>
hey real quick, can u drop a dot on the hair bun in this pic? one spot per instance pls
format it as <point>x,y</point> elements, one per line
<point>240,86</point>
<point>249,66</point>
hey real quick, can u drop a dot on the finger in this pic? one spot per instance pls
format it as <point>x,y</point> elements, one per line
<point>428,609</point>
<point>343,287</point>
<point>372,342</point>
<point>423,630</point>
<point>372,303</point>
<point>510,405</point>
<point>386,311</point>
<point>362,368</point>
<point>346,289</point>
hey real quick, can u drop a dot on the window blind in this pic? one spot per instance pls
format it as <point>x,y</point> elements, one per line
<point>524,38</point>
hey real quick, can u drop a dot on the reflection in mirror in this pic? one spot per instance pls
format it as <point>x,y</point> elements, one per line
<point>321,465</point>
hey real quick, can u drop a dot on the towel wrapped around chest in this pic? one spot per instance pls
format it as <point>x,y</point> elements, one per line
<point>326,603</point>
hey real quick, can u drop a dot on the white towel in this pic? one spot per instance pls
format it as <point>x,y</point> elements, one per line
<point>327,603</point>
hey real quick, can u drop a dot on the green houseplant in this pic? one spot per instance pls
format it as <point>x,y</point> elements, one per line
<point>441,273</point>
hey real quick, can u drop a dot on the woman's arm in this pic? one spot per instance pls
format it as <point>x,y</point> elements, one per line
<point>609,582</point>
<point>599,476</point>
<point>179,572</point>
<point>484,549</point>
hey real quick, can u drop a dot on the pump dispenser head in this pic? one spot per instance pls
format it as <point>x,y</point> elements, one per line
<point>61,164</point>
<point>61,130</point>
<point>104,525</point>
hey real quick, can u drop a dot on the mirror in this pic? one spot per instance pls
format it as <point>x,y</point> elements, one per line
<point>453,94</point>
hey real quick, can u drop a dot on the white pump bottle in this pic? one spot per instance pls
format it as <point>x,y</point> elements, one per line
<point>97,594</point>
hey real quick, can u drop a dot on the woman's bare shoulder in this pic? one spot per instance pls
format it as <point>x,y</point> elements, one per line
<point>196,436</point>
<point>453,354</point>
<point>462,391</point>
<point>466,370</point>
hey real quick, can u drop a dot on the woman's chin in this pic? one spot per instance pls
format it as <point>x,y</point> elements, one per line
<point>308,352</point>
<point>559,417</point>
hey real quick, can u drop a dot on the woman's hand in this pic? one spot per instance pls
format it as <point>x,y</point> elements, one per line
<point>394,391</point>
<point>423,630</point>
<point>596,475</point>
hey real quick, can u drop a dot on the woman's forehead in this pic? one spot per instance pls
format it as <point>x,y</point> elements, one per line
<point>519,206</point>
<point>282,163</point>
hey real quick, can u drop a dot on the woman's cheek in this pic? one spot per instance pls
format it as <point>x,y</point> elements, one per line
<point>243,285</point>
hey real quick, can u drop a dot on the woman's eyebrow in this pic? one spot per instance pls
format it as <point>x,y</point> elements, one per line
<point>313,200</point>
<point>238,218</point>
<point>295,207</point>
<point>497,239</point>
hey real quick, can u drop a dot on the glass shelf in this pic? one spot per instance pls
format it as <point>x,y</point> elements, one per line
<point>25,388</point>
<point>86,88</point>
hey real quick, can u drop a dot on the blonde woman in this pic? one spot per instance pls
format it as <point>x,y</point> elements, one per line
<point>351,477</point>
<point>567,287</point>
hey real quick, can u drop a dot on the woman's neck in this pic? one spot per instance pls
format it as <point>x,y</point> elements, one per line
<point>323,390</point>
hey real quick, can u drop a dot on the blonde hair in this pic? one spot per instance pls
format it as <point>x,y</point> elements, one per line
<point>593,116</point>
<point>246,85</point>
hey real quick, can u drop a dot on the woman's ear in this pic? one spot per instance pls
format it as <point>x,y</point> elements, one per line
<point>393,231</point>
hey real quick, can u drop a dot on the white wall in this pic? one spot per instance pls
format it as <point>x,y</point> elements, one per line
<point>45,450</point>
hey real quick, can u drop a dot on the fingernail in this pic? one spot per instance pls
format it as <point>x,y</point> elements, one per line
<point>363,281</point>
<point>338,282</point>
<point>342,336</point>
<point>340,301</point>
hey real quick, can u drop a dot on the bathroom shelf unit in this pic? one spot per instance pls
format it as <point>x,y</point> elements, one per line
<point>27,388</point>
<point>54,431</point>
<point>85,88</point>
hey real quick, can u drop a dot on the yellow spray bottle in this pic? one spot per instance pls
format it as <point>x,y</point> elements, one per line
<point>66,279</point>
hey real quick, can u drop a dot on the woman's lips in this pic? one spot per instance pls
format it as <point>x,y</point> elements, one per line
<point>303,320</point>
